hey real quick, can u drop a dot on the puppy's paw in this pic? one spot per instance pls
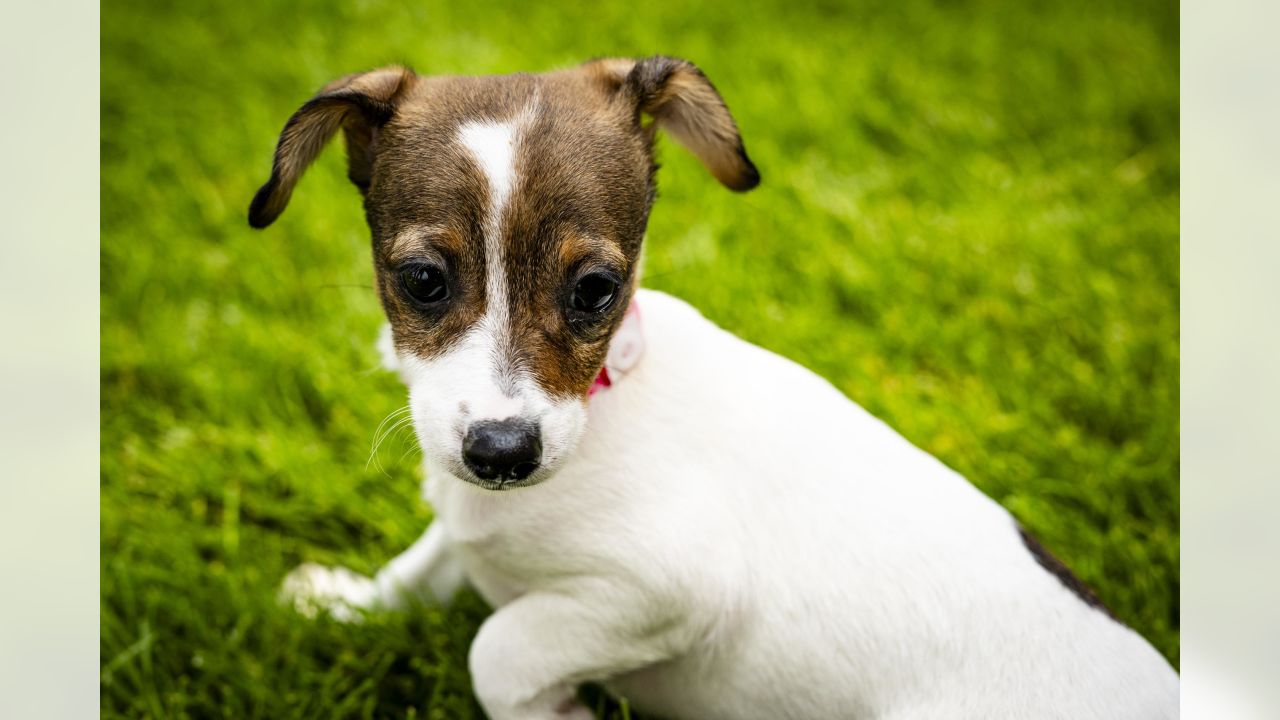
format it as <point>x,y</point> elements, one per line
<point>313,588</point>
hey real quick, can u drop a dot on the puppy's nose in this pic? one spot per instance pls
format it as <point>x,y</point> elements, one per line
<point>509,449</point>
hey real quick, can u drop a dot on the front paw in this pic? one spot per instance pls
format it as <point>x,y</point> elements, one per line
<point>313,588</point>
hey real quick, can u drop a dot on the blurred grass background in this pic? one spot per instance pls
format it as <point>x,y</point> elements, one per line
<point>968,222</point>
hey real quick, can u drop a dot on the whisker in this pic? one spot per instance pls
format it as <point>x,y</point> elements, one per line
<point>378,432</point>
<point>396,417</point>
<point>401,432</point>
<point>405,454</point>
<point>373,455</point>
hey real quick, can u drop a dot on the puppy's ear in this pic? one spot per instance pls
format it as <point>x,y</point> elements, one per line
<point>360,104</point>
<point>683,102</point>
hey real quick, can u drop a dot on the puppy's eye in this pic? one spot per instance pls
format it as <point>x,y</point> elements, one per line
<point>424,283</point>
<point>594,293</point>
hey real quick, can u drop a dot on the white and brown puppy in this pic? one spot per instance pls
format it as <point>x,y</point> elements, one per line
<point>719,533</point>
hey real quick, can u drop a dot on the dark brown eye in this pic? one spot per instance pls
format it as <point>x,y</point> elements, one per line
<point>424,283</point>
<point>594,293</point>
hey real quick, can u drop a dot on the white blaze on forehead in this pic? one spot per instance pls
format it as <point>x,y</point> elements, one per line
<point>493,145</point>
<point>493,148</point>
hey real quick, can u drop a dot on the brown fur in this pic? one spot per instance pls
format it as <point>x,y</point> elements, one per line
<point>1059,570</point>
<point>584,187</point>
<point>359,104</point>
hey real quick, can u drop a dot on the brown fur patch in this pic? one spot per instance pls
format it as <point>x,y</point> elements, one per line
<point>580,202</point>
<point>581,199</point>
<point>683,102</point>
<point>427,202</point>
<point>359,104</point>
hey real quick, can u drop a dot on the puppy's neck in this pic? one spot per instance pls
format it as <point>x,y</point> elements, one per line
<point>625,349</point>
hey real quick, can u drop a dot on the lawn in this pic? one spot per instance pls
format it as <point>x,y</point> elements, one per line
<point>968,221</point>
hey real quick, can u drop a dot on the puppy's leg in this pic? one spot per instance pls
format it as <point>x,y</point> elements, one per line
<point>429,570</point>
<point>530,655</point>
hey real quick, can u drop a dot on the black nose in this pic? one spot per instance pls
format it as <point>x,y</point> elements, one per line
<point>509,449</point>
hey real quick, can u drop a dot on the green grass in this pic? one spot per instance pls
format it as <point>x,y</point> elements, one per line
<point>968,222</point>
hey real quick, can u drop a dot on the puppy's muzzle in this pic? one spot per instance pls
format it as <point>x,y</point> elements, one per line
<point>502,449</point>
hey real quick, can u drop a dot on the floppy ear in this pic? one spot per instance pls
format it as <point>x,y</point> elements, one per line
<point>359,104</point>
<point>683,102</point>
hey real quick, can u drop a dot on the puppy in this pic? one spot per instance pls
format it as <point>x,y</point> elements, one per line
<point>649,502</point>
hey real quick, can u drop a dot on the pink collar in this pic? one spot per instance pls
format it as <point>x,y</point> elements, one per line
<point>624,350</point>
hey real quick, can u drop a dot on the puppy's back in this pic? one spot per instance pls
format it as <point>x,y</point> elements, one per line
<point>871,573</point>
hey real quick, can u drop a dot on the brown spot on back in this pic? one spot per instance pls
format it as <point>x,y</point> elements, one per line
<point>1059,569</point>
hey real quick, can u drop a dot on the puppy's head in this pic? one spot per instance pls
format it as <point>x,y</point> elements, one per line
<point>507,215</point>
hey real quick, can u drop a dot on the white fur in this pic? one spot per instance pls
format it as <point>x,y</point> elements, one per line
<point>493,147</point>
<point>733,538</point>
<point>457,388</point>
